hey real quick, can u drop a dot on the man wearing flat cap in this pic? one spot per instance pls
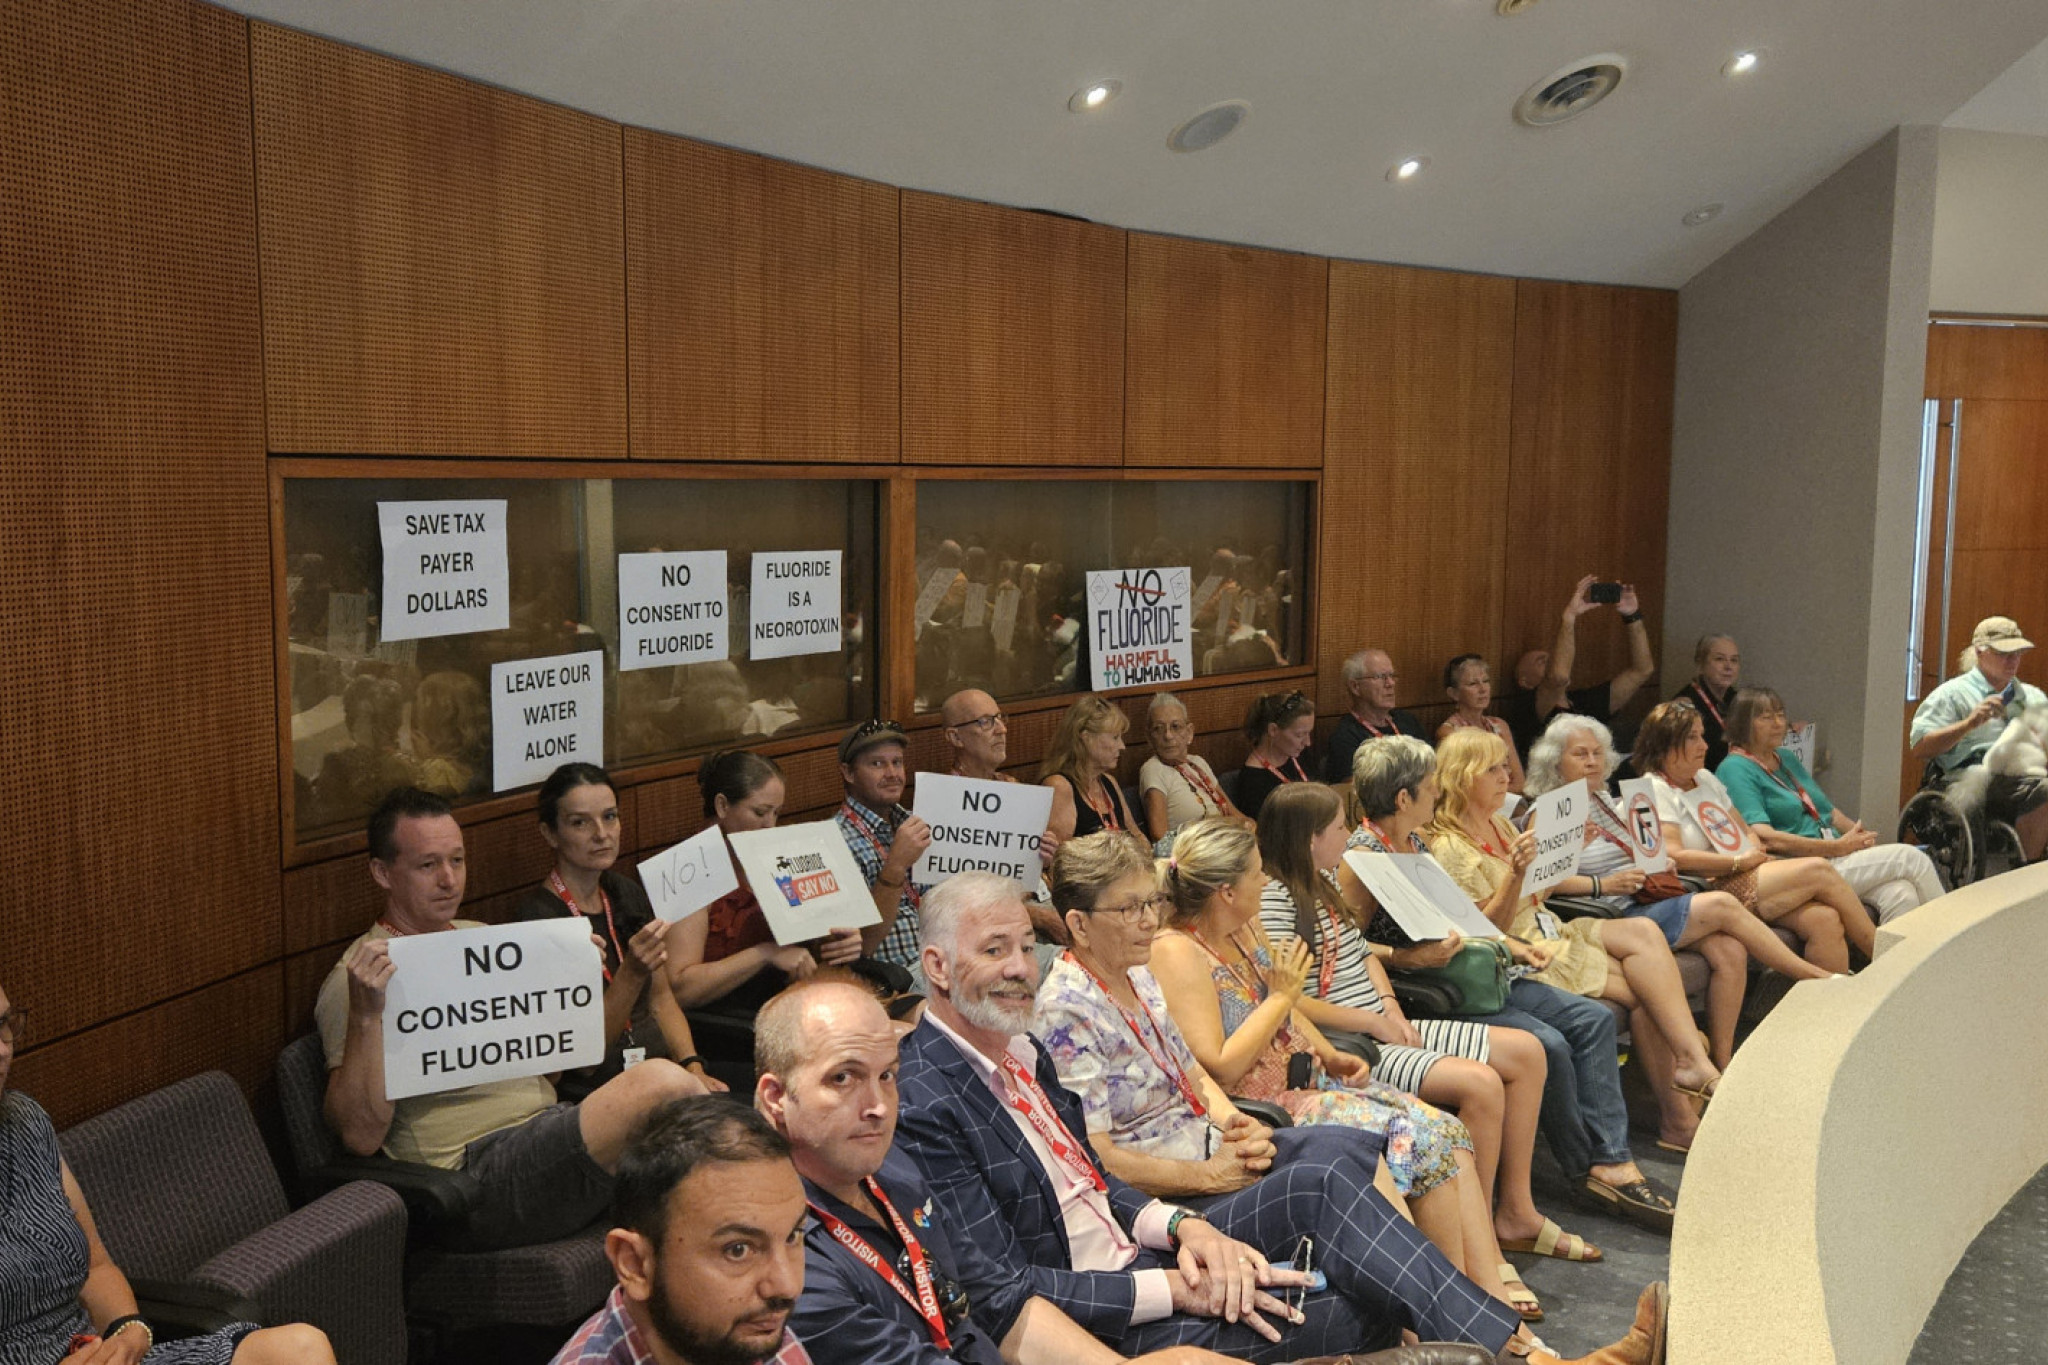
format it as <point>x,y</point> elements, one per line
<point>1959,721</point>
<point>884,836</point>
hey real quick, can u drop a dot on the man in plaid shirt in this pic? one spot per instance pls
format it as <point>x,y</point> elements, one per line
<point>884,836</point>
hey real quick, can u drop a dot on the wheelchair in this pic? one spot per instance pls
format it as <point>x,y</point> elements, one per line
<point>1965,846</point>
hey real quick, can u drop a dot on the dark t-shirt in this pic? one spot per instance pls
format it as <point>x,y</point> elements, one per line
<point>1518,709</point>
<point>1255,784</point>
<point>1351,733</point>
<point>1712,710</point>
<point>631,911</point>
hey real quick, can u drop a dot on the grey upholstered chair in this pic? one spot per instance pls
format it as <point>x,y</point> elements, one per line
<point>549,1284</point>
<point>190,1207</point>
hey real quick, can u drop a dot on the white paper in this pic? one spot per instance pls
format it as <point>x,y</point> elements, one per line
<point>445,568</point>
<point>1206,589</point>
<point>686,878</point>
<point>1003,618</point>
<point>544,713</point>
<point>1639,814</point>
<point>1726,830</point>
<point>1140,628</point>
<point>1560,829</point>
<point>975,608</point>
<point>1226,603</point>
<point>1800,740</point>
<point>930,595</point>
<point>795,604</point>
<point>1509,804</point>
<point>672,609</point>
<point>807,880</point>
<point>491,1004</point>
<point>1417,915</point>
<point>1446,895</point>
<point>348,624</point>
<point>980,826</point>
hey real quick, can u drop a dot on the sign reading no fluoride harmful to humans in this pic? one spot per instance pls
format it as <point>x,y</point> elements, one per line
<point>445,570</point>
<point>544,713</point>
<point>1140,628</point>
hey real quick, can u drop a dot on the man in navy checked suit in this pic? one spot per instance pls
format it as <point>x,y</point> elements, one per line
<point>1022,1184</point>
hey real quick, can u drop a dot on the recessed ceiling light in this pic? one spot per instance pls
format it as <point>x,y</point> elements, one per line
<point>1705,213</point>
<point>1742,63</point>
<point>1094,96</point>
<point>1407,169</point>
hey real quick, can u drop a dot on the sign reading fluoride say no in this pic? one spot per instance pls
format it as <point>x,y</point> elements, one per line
<point>445,569</point>
<point>672,609</point>
<point>980,826</point>
<point>806,879</point>
<point>1140,627</point>
<point>544,713</point>
<point>794,607</point>
<point>491,1004</point>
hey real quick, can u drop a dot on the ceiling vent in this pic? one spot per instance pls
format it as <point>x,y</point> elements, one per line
<point>1209,127</point>
<point>1568,93</point>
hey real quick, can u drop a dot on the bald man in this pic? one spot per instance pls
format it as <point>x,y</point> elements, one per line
<point>979,734</point>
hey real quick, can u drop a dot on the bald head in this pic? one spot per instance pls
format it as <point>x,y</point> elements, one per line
<point>826,1053</point>
<point>792,1026</point>
<point>975,729</point>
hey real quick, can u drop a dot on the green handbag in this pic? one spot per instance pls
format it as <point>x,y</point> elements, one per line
<point>1478,974</point>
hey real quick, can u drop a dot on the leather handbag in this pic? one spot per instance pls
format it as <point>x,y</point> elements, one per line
<point>1659,886</point>
<point>1479,973</point>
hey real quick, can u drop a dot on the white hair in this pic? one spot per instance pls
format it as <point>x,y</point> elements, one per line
<point>1550,745</point>
<point>939,913</point>
<point>1162,700</point>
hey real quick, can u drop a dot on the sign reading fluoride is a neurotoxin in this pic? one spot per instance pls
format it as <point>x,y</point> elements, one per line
<point>1140,628</point>
<point>544,713</point>
<point>445,568</point>
<point>794,606</point>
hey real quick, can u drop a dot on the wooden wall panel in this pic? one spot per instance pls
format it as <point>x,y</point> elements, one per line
<point>1224,355</point>
<point>1591,462</point>
<point>2002,481</point>
<point>1013,336</point>
<point>443,262</point>
<point>1987,362</point>
<point>761,307</point>
<point>138,740</point>
<point>2000,583</point>
<point>1415,479</point>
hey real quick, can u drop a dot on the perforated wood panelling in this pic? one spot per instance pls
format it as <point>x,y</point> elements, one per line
<point>138,730</point>
<point>1591,476</point>
<point>1415,478</point>
<point>443,263</point>
<point>1013,336</point>
<point>762,304</point>
<point>1225,355</point>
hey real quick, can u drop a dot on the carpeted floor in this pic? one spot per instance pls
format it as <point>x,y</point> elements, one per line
<point>1993,1310</point>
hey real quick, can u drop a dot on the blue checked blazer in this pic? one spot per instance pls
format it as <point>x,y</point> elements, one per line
<point>991,1188</point>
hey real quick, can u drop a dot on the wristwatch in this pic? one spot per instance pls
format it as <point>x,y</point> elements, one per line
<point>1173,1226</point>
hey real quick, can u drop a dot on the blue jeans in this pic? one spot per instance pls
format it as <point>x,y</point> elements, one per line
<point>1584,1118</point>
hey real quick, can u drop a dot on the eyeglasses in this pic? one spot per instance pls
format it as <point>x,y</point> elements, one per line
<point>1381,677</point>
<point>1135,911</point>
<point>1172,727</point>
<point>983,723</point>
<point>1304,1261</point>
<point>14,1026</point>
<point>876,727</point>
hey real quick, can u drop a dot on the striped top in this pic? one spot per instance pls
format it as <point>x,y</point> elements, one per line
<point>43,1253</point>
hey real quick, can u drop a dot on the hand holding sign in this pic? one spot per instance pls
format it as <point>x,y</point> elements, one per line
<point>688,877</point>
<point>979,826</point>
<point>806,879</point>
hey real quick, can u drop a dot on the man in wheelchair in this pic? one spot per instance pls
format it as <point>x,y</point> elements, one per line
<point>1957,724</point>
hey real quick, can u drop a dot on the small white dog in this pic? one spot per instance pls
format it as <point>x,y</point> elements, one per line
<point>2021,750</point>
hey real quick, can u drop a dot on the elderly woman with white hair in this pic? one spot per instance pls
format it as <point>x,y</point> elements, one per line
<point>1177,785</point>
<point>1713,923</point>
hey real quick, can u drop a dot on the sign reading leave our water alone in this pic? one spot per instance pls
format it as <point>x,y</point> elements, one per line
<point>1645,829</point>
<point>688,877</point>
<point>980,826</point>
<point>544,713</point>
<point>1559,825</point>
<point>1726,831</point>
<point>1140,627</point>
<point>806,879</point>
<point>491,1004</point>
<point>445,568</point>
<point>794,606</point>
<point>672,609</point>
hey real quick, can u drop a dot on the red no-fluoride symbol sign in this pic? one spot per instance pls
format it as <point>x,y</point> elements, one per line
<point>1721,830</point>
<point>1642,823</point>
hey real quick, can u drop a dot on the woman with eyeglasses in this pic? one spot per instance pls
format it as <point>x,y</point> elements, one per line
<point>62,1298</point>
<point>1280,726</point>
<point>1176,784</point>
<point>1080,767</point>
<point>1468,682</point>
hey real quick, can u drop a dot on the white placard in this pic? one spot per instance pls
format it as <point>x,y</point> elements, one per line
<point>795,604</point>
<point>445,568</point>
<point>1140,628</point>
<point>672,609</point>
<point>1205,590</point>
<point>1446,895</point>
<point>1560,828</point>
<point>1645,829</point>
<point>491,1004</point>
<point>930,595</point>
<point>348,624</point>
<point>1510,804</point>
<point>1417,901</point>
<point>1226,603</point>
<point>975,608</point>
<point>980,826</point>
<point>1726,830</point>
<point>688,877</point>
<point>806,879</point>
<point>1800,740</point>
<point>544,713</point>
<point>1002,621</point>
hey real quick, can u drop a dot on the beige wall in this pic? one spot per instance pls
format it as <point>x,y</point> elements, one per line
<point>1794,448</point>
<point>1991,224</point>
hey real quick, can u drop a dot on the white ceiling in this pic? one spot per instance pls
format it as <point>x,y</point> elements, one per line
<point>969,97</point>
<point>2017,102</point>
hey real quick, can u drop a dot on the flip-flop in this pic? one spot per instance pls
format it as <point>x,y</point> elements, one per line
<point>1664,1146</point>
<point>1703,1093</point>
<point>1521,1298</point>
<point>1554,1241</point>
<point>1638,1201</point>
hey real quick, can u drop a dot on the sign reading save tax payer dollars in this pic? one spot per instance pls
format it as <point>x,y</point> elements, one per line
<point>491,1004</point>
<point>445,568</point>
<point>980,826</point>
<point>1140,627</point>
<point>544,713</point>
<point>806,879</point>
<point>1560,829</point>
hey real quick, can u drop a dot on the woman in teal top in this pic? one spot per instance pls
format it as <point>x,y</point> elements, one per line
<point>1793,817</point>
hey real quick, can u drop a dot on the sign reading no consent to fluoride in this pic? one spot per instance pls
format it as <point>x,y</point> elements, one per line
<point>445,568</point>
<point>980,826</point>
<point>491,1004</point>
<point>672,609</point>
<point>1140,627</point>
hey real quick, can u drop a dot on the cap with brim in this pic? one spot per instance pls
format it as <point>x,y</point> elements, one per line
<point>2001,633</point>
<point>867,735</point>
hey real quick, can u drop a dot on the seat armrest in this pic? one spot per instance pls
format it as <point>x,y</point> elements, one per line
<point>1265,1111</point>
<point>1425,997</point>
<point>1582,907</point>
<point>175,1308</point>
<point>1695,884</point>
<point>435,1199</point>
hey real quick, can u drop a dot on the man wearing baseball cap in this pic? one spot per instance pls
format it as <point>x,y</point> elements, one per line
<point>1957,723</point>
<point>884,836</point>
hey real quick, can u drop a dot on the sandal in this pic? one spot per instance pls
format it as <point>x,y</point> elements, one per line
<point>1638,1201</point>
<point>1702,1093</point>
<point>1554,1241</point>
<point>1664,1146</point>
<point>1521,1298</point>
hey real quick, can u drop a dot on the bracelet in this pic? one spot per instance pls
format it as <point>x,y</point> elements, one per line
<point>122,1324</point>
<point>692,1060</point>
<point>1173,1226</point>
<point>1596,888</point>
<point>1631,617</point>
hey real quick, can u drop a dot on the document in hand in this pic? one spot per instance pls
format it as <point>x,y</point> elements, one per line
<point>1560,829</point>
<point>1420,895</point>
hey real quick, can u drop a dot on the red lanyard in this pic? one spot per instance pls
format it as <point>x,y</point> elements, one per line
<point>1386,840</point>
<point>1326,970</point>
<point>561,890</point>
<point>1600,806</point>
<point>1198,781</point>
<point>1036,1107</point>
<point>1699,689</point>
<point>912,893</point>
<point>1374,730</point>
<point>1786,782</point>
<point>926,1299</point>
<point>1164,1057</point>
<point>1106,813</point>
<point>1252,981</point>
<point>1300,773</point>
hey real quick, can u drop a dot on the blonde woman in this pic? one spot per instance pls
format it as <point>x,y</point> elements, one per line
<point>1080,767</point>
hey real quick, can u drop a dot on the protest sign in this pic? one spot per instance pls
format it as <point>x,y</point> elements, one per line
<point>795,604</point>
<point>672,609</point>
<point>1140,628</point>
<point>806,879</point>
<point>1639,814</point>
<point>1002,621</point>
<point>491,1004</point>
<point>1800,740</point>
<point>1726,831</point>
<point>1560,828</point>
<point>1420,895</point>
<point>980,826</point>
<point>936,586</point>
<point>544,713</point>
<point>974,609</point>
<point>689,876</point>
<point>445,568</point>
